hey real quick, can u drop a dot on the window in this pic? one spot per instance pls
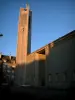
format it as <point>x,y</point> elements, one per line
<point>41,51</point>
<point>57,77</point>
<point>50,78</point>
<point>64,76</point>
<point>74,75</point>
<point>23,29</point>
<point>25,9</point>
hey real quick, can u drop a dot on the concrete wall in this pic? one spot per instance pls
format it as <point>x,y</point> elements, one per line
<point>30,65</point>
<point>28,73</point>
<point>32,69</point>
<point>20,72</point>
<point>41,69</point>
<point>35,69</point>
<point>60,63</point>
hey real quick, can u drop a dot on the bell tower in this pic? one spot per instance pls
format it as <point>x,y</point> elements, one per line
<point>23,44</point>
<point>24,35</point>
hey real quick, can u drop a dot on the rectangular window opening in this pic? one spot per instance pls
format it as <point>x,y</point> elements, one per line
<point>41,51</point>
<point>50,78</point>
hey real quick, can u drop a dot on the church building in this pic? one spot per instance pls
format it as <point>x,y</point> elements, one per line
<point>51,66</point>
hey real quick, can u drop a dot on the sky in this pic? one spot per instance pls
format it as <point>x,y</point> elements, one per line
<point>51,19</point>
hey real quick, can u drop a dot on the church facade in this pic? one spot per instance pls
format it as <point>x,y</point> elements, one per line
<point>51,66</point>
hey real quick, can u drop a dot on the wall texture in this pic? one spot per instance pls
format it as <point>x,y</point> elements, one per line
<point>41,69</point>
<point>35,69</point>
<point>30,69</point>
<point>60,64</point>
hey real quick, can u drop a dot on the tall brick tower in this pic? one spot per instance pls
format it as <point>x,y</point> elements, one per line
<point>24,35</point>
<point>23,43</point>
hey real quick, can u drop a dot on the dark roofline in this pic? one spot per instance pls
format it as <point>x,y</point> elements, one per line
<point>7,55</point>
<point>68,35</point>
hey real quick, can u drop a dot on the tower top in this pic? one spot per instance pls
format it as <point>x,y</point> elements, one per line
<point>27,6</point>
